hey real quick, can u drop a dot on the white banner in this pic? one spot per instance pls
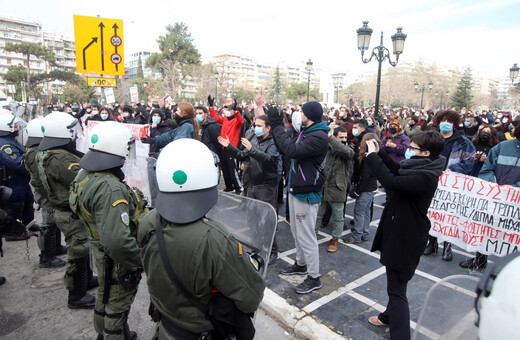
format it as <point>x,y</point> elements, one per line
<point>109,95</point>
<point>476,215</point>
<point>134,95</point>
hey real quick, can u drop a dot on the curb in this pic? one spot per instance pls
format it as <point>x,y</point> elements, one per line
<point>298,322</point>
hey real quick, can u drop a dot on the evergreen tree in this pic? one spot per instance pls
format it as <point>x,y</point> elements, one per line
<point>277,84</point>
<point>463,96</point>
<point>140,74</point>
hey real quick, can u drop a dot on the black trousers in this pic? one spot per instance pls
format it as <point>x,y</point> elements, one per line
<point>229,171</point>
<point>397,313</point>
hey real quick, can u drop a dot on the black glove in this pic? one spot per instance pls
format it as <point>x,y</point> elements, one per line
<point>211,101</point>
<point>148,140</point>
<point>12,228</point>
<point>274,115</point>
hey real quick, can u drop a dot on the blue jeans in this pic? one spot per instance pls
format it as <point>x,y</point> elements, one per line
<point>361,227</point>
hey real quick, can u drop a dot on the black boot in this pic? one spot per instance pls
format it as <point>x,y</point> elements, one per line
<point>446,252</point>
<point>432,246</point>
<point>78,297</point>
<point>478,262</point>
<point>48,257</point>
<point>92,280</point>
<point>129,335</point>
<point>2,280</point>
<point>60,249</point>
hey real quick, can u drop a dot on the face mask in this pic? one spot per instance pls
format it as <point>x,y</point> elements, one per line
<point>355,132</point>
<point>445,127</point>
<point>505,120</point>
<point>126,114</point>
<point>392,130</point>
<point>341,114</point>
<point>467,124</point>
<point>411,123</point>
<point>227,113</point>
<point>296,121</point>
<point>387,126</point>
<point>259,131</point>
<point>200,118</point>
<point>369,123</point>
<point>156,119</point>
<point>95,112</point>
<point>104,116</point>
<point>409,154</point>
<point>485,136</point>
<point>88,110</point>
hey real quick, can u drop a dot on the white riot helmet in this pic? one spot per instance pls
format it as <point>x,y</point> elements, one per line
<point>187,176</point>
<point>6,123</point>
<point>109,145</point>
<point>59,129</point>
<point>498,299</point>
<point>34,132</point>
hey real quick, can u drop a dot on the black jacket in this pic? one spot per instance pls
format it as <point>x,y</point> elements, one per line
<point>264,158</point>
<point>210,134</point>
<point>161,128</point>
<point>308,152</point>
<point>404,225</point>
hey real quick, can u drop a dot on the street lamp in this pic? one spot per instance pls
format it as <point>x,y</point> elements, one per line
<point>216,85</point>
<point>430,87</point>
<point>337,87</point>
<point>513,72</point>
<point>309,69</point>
<point>442,93</point>
<point>364,34</point>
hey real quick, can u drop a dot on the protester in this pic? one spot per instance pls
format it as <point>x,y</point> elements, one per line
<point>404,225</point>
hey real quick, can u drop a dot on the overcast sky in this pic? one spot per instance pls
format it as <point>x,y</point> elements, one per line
<point>482,34</point>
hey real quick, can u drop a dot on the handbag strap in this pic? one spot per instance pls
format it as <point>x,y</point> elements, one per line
<point>161,223</point>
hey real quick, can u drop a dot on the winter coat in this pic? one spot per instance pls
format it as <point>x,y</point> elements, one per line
<point>308,153</point>
<point>503,164</point>
<point>338,171</point>
<point>411,131</point>
<point>263,157</point>
<point>230,126</point>
<point>404,225</point>
<point>401,140</point>
<point>161,129</point>
<point>462,155</point>
<point>210,134</point>
<point>185,130</point>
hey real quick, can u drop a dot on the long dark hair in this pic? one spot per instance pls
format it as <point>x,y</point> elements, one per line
<point>363,145</point>
<point>494,136</point>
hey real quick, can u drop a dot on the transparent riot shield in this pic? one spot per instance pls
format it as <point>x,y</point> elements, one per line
<point>449,310</point>
<point>152,179</point>
<point>136,175</point>
<point>252,223</point>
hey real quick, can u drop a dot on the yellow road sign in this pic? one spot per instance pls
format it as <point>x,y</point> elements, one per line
<point>101,82</point>
<point>99,45</point>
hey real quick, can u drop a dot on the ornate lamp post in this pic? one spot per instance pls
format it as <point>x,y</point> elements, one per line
<point>513,72</point>
<point>216,85</point>
<point>309,69</point>
<point>337,87</point>
<point>430,87</point>
<point>380,53</point>
<point>442,93</point>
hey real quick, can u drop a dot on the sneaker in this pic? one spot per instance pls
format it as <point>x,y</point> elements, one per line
<point>228,189</point>
<point>295,270</point>
<point>272,258</point>
<point>350,240</point>
<point>365,238</point>
<point>333,245</point>
<point>308,285</point>
<point>374,320</point>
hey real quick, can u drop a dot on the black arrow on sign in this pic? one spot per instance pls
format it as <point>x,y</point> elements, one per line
<point>115,27</point>
<point>94,40</point>
<point>101,26</point>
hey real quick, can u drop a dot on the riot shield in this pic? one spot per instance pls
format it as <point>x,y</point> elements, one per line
<point>252,222</point>
<point>448,312</point>
<point>152,179</point>
<point>136,175</point>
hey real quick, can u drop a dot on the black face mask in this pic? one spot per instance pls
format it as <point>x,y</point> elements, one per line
<point>15,133</point>
<point>344,142</point>
<point>392,130</point>
<point>485,136</point>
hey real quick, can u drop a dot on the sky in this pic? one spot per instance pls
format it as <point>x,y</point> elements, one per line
<point>481,34</point>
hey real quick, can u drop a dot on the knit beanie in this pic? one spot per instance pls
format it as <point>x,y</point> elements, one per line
<point>313,111</point>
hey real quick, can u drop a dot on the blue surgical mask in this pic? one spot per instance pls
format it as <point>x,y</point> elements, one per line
<point>156,119</point>
<point>355,132</point>
<point>200,118</point>
<point>369,123</point>
<point>126,114</point>
<point>467,124</point>
<point>104,116</point>
<point>505,120</point>
<point>446,127</point>
<point>409,154</point>
<point>259,131</point>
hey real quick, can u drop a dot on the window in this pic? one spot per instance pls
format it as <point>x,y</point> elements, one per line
<point>8,61</point>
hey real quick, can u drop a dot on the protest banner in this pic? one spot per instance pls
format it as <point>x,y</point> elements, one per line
<point>476,215</point>
<point>109,95</point>
<point>134,94</point>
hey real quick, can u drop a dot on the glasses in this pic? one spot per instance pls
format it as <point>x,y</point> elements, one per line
<point>414,148</point>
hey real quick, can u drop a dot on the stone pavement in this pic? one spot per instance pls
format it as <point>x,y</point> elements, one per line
<point>354,282</point>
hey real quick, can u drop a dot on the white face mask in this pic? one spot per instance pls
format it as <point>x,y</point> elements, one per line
<point>341,114</point>
<point>296,121</point>
<point>227,113</point>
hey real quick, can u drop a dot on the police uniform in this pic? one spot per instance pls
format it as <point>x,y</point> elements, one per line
<point>16,177</point>
<point>108,207</point>
<point>50,239</point>
<point>205,257</point>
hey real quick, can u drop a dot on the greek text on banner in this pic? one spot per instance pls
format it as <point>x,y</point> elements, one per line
<point>476,215</point>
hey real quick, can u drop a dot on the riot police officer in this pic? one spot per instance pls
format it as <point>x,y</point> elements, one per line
<point>49,240</point>
<point>204,256</point>
<point>58,164</point>
<point>110,211</point>
<point>14,175</point>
